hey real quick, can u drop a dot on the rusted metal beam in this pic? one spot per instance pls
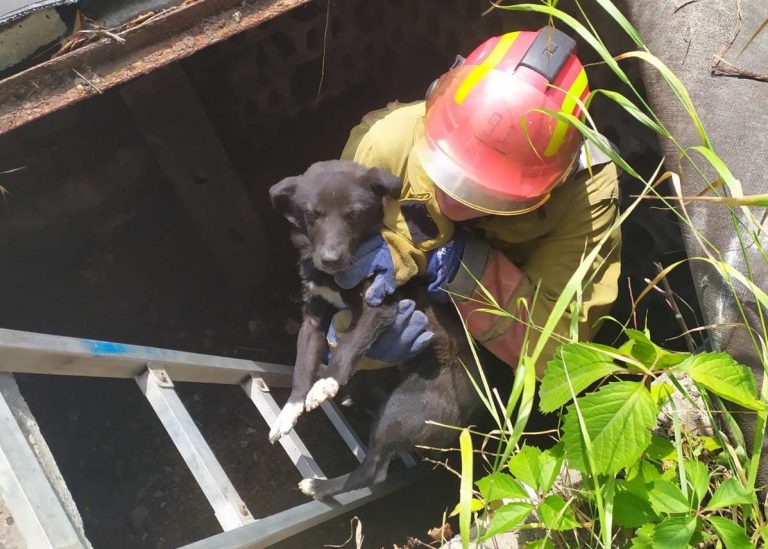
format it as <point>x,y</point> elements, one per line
<point>163,39</point>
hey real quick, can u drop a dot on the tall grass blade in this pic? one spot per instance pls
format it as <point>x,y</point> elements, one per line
<point>677,88</point>
<point>465,489</point>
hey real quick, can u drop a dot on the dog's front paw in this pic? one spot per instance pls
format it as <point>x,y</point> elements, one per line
<point>322,390</point>
<point>285,421</point>
<point>307,486</point>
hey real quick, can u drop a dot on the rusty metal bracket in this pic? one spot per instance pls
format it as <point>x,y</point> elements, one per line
<point>164,39</point>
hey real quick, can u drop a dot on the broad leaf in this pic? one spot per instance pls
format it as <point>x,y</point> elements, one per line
<point>475,505</point>
<point>730,492</point>
<point>580,365</point>
<point>507,517</point>
<point>630,504</point>
<point>555,515</point>
<point>732,535</point>
<point>550,463</point>
<point>660,392</point>
<point>524,466</point>
<point>709,444</point>
<point>661,449</point>
<point>500,486</point>
<point>537,468</point>
<point>666,497</point>
<point>618,419</point>
<point>650,354</point>
<point>723,376</point>
<point>643,537</point>
<point>674,533</point>
<point>698,478</point>
<point>643,471</point>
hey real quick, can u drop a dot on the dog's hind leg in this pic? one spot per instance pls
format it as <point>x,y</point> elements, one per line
<point>372,470</point>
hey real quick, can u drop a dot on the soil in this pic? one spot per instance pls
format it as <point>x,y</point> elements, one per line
<point>96,244</point>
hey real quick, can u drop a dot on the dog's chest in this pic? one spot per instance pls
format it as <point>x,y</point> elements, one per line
<point>325,292</point>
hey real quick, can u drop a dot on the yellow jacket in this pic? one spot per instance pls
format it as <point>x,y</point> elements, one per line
<point>546,244</point>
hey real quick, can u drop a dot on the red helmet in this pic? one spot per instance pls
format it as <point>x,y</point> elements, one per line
<point>484,144</point>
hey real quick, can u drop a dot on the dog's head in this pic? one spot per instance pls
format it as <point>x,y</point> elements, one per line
<point>334,206</point>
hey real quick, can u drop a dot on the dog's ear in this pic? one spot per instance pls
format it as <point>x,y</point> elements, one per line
<point>384,183</point>
<point>281,195</point>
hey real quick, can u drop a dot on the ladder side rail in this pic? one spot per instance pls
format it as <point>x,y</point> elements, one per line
<point>229,508</point>
<point>29,352</point>
<point>274,528</point>
<point>27,492</point>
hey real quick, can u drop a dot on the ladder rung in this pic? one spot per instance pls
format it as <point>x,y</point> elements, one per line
<point>27,492</point>
<point>270,530</point>
<point>258,392</point>
<point>229,509</point>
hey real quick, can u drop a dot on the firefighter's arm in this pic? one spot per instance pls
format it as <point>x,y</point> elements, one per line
<point>546,274</point>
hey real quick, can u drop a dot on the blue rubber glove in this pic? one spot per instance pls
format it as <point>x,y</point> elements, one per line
<point>442,264</point>
<point>372,259</point>
<point>405,339</point>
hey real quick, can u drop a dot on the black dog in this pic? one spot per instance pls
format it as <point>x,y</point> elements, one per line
<point>333,207</point>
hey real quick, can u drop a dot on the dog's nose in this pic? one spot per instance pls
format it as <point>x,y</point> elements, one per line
<point>330,259</point>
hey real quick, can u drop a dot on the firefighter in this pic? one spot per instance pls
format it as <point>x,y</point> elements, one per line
<point>493,183</point>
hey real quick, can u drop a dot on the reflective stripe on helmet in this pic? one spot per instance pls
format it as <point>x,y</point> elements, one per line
<point>479,71</point>
<point>568,106</point>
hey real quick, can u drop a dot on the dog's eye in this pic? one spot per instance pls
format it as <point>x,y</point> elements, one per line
<point>311,216</point>
<point>351,215</point>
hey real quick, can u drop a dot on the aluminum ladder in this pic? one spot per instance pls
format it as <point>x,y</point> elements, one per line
<point>40,515</point>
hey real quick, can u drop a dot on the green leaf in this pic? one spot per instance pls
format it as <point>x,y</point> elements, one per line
<point>723,376</point>
<point>500,486</point>
<point>538,469</point>
<point>661,449</point>
<point>524,465</point>
<point>674,533</point>
<point>550,463</point>
<point>618,419</point>
<point>507,517</point>
<point>643,471</point>
<point>709,443</point>
<point>666,497</point>
<point>465,487</point>
<point>556,515</point>
<point>581,365</point>
<point>698,478</point>
<point>732,535</point>
<point>475,505</point>
<point>650,354</point>
<point>643,537</point>
<point>630,505</point>
<point>730,492</point>
<point>660,392</point>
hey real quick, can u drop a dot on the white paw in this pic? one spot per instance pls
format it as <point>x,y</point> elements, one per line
<point>307,487</point>
<point>287,418</point>
<point>322,390</point>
